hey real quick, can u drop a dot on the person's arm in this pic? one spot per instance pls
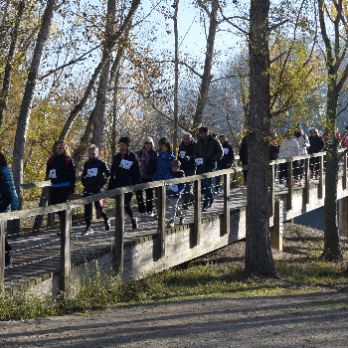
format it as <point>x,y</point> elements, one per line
<point>72,174</point>
<point>135,171</point>
<point>112,175</point>
<point>5,199</point>
<point>84,174</point>
<point>218,151</point>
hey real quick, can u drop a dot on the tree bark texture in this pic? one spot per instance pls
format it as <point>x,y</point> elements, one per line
<point>258,260</point>
<point>207,77</point>
<point>25,109</point>
<point>176,77</point>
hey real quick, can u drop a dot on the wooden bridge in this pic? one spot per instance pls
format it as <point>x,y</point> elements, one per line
<point>47,263</point>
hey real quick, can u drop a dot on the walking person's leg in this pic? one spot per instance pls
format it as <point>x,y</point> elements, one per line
<point>99,206</point>
<point>128,209</point>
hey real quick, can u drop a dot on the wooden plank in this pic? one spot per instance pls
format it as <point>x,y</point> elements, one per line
<point>197,213</point>
<point>344,178</point>
<point>289,184</point>
<point>119,233</point>
<point>161,213</point>
<point>271,190</point>
<point>2,254</point>
<point>277,229</point>
<point>306,177</point>
<point>65,253</point>
<point>321,177</point>
<point>227,210</point>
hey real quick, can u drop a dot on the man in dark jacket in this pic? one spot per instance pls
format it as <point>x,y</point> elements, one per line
<point>125,172</point>
<point>243,157</point>
<point>94,177</point>
<point>226,161</point>
<point>208,152</point>
<point>186,155</point>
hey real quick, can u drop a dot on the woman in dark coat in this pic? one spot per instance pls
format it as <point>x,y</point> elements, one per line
<point>125,172</point>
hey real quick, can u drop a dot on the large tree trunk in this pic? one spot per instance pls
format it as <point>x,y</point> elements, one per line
<point>8,68</point>
<point>176,77</point>
<point>206,78</point>
<point>332,247</point>
<point>24,114</point>
<point>258,258</point>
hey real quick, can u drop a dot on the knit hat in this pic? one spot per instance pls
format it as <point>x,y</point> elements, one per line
<point>149,140</point>
<point>125,140</point>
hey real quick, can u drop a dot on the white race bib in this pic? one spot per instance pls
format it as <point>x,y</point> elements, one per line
<point>226,150</point>
<point>126,164</point>
<point>182,154</point>
<point>199,161</point>
<point>174,188</point>
<point>52,174</point>
<point>92,172</point>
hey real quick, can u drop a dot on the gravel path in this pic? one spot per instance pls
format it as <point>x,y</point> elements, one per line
<point>317,320</point>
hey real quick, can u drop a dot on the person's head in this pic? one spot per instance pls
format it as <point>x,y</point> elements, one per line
<point>148,143</point>
<point>176,164</point>
<point>313,132</point>
<point>3,161</point>
<point>288,134</point>
<point>93,151</point>
<point>203,133</point>
<point>123,144</point>
<point>162,141</point>
<point>222,138</point>
<point>166,147</point>
<point>60,148</point>
<point>187,139</point>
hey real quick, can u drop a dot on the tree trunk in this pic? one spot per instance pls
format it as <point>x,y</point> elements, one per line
<point>114,116</point>
<point>206,78</point>
<point>332,247</point>
<point>8,68</point>
<point>24,114</point>
<point>258,258</point>
<point>176,76</point>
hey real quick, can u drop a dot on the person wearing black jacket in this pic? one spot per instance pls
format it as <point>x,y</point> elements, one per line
<point>61,171</point>
<point>186,155</point>
<point>147,164</point>
<point>125,172</point>
<point>94,177</point>
<point>316,145</point>
<point>226,161</point>
<point>243,157</point>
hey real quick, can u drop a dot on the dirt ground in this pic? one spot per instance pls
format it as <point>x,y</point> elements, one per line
<point>314,320</point>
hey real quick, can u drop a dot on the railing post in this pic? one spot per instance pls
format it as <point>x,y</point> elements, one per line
<point>289,184</point>
<point>197,213</point>
<point>119,233</point>
<point>344,178</point>
<point>277,229</point>
<point>306,188</point>
<point>321,177</point>
<point>227,212</point>
<point>3,225</point>
<point>161,193</point>
<point>271,190</point>
<point>65,252</point>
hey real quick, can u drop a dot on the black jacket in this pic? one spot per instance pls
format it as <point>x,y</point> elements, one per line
<point>94,175</point>
<point>5,194</point>
<point>228,158</point>
<point>61,169</point>
<point>273,152</point>
<point>189,167</point>
<point>147,171</point>
<point>316,144</point>
<point>124,171</point>
<point>210,151</point>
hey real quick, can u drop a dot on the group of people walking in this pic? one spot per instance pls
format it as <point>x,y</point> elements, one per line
<point>131,167</point>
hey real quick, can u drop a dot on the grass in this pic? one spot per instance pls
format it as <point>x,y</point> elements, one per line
<point>303,272</point>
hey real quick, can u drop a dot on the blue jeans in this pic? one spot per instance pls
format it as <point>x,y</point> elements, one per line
<point>207,192</point>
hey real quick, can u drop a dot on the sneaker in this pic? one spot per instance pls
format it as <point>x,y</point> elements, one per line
<point>170,224</point>
<point>87,232</point>
<point>182,220</point>
<point>107,225</point>
<point>134,224</point>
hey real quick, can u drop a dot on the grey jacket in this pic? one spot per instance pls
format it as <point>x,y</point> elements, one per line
<point>209,151</point>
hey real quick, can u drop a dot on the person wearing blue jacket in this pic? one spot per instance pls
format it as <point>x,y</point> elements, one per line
<point>163,162</point>
<point>174,193</point>
<point>8,199</point>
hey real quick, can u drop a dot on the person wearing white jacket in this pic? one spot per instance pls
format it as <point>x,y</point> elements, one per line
<point>288,148</point>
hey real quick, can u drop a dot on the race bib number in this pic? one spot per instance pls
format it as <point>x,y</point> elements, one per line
<point>226,151</point>
<point>52,174</point>
<point>126,164</point>
<point>174,188</point>
<point>199,161</point>
<point>182,154</point>
<point>92,172</point>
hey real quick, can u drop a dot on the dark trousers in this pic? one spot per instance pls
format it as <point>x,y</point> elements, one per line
<point>99,208</point>
<point>127,204</point>
<point>208,197</point>
<point>187,195</point>
<point>148,205</point>
<point>59,195</point>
